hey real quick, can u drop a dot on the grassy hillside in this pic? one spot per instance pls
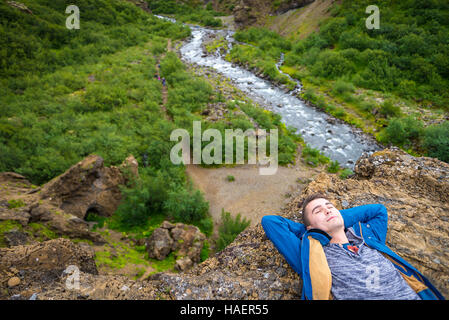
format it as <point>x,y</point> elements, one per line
<point>392,82</point>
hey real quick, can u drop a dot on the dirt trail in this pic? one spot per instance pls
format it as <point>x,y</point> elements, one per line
<point>251,194</point>
<point>164,84</point>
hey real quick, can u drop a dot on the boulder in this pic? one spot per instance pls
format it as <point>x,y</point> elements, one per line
<point>182,264</point>
<point>167,225</point>
<point>187,241</point>
<point>159,244</point>
<point>250,12</point>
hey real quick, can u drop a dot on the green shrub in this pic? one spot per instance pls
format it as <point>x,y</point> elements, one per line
<point>436,141</point>
<point>230,178</point>
<point>365,106</point>
<point>330,64</point>
<point>345,173</point>
<point>340,87</point>
<point>401,131</point>
<point>310,95</point>
<point>92,216</point>
<point>313,156</point>
<point>333,167</point>
<point>205,251</point>
<point>229,229</point>
<point>186,206</point>
<point>389,110</point>
<point>206,225</point>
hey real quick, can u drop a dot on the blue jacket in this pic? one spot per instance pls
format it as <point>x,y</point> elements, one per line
<point>303,250</point>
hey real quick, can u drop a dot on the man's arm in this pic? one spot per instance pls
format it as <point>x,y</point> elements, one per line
<point>284,234</point>
<point>375,217</point>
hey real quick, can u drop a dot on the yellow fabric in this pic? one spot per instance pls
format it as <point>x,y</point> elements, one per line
<point>320,274</point>
<point>414,283</point>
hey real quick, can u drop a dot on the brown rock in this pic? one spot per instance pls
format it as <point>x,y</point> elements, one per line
<point>167,225</point>
<point>88,185</point>
<point>49,255</point>
<point>21,216</point>
<point>42,264</point>
<point>14,281</point>
<point>182,264</point>
<point>187,241</point>
<point>159,244</point>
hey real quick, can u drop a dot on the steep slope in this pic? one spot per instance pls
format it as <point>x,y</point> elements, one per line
<point>300,22</point>
<point>251,12</point>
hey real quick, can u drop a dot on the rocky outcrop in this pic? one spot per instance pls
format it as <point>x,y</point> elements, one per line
<point>62,203</point>
<point>159,244</point>
<point>88,185</point>
<point>186,241</point>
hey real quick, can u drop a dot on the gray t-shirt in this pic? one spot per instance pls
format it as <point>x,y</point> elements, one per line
<point>365,275</point>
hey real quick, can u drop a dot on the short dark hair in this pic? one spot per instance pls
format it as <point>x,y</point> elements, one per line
<point>306,201</point>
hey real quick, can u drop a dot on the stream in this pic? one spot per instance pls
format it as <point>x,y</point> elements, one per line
<point>333,137</point>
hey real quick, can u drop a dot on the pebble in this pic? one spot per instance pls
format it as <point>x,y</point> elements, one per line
<point>14,281</point>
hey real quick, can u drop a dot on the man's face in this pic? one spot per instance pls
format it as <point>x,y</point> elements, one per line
<point>324,216</point>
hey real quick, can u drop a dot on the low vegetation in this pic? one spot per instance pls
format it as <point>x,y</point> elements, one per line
<point>230,228</point>
<point>372,79</point>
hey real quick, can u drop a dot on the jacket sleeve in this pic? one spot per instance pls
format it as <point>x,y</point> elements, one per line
<point>374,218</point>
<point>285,235</point>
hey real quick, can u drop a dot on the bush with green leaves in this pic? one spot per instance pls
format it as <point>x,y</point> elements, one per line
<point>41,43</point>
<point>402,131</point>
<point>345,173</point>
<point>389,110</point>
<point>186,205</point>
<point>191,12</point>
<point>341,87</point>
<point>331,64</point>
<point>161,191</point>
<point>436,141</point>
<point>313,156</point>
<point>334,167</point>
<point>229,229</point>
<point>406,56</point>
